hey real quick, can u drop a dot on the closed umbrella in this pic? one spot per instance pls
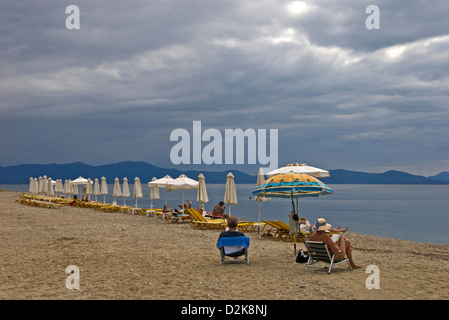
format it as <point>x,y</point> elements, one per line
<point>59,186</point>
<point>300,168</point>
<point>96,188</point>
<point>50,190</point>
<point>202,191</point>
<point>40,185</point>
<point>260,199</point>
<point>74,189</point>
<point>162,183</point>
<point>104,188</point>
<point>67,187</point>
<point>35,186</point>
<point>44,185</point>
<point>126,192</point>
<point>89,190</point>
<point>291,186</point>
<point>230,191</point>
<point>117,192</point>
<point>31,186</point>
<point>154,192</point>
<point>183,183</point>
<point>137,191</point>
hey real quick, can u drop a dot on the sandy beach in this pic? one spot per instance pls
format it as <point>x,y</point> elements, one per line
<point>125,256</point>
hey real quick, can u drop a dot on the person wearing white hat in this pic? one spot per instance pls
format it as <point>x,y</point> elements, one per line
<point>341,249</point>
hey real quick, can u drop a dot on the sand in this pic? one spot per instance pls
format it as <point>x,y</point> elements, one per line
<point>130,257</point>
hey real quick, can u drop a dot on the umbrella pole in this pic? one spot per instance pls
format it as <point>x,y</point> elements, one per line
<point>294,243</point>
<point>258,222</point>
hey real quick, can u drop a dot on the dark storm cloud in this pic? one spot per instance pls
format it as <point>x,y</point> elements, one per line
<point>341,95</point>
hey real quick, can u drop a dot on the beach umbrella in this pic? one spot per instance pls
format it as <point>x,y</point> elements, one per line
<point>292,186</point>
<point>74,188</point>
<point>80,180</point>
<point>117,192</point>
<point>40,185</point>
<point>44,184</point>
<point>96,188</point>
<point>31,186</point>
<point>202,191</point>
<point>230,197</point>
<point>35,186</point>
<point>154,192</point>
<point>300,168</point>
<point>88,188</point>
<point>104,188</point>
<point>50,190</point>
<point>162,183</point>
<point>59,186</point>
<point>137,191</point>
<point>126,192</point>
<point>67,187</point>
<point>183,183</point>
<point>260,199</point>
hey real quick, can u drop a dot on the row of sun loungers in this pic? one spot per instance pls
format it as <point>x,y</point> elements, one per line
<point>275,229</point>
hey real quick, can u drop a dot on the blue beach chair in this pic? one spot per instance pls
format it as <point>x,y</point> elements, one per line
<point>233,247</point>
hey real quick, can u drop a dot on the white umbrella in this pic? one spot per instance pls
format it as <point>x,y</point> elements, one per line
<point>117,192</point>
<point>40,185</point>
<point>154,191</point>
<point>50,190</point>
<point>230,191</point>
<point>96,188</point>
<point>67,187</point>
<point>74,188</point>
<point>35,186</point>
<point>44,185</point>
<point>88,187</point>
<point>31,186</point>
<point>202,191</point>
<point>260,181</point>
<point>81,180</point>
<point>59,187</point>
<point>137,191</point>
<point>126,192</point>
<point>183,183</point>
<point>104,188</point>
<point>300,168</point>
<point>162,183</point>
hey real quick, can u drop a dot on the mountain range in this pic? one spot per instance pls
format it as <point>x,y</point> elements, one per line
<point>20,174</point>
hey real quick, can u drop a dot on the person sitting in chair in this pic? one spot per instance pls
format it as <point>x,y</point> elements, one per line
<point>232,232</point>
<point>341,249</point>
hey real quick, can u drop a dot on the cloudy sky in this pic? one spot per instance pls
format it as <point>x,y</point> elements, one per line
<point>341,95</point>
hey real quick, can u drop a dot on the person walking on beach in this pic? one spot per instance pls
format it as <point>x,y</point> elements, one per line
<point>341,249</point>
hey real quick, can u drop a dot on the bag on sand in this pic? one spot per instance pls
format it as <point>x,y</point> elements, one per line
<point>302,257</point>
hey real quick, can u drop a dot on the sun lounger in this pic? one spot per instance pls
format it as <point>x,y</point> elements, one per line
<point>318,252</point>
<point>278,231</point>
<point>198,221</point>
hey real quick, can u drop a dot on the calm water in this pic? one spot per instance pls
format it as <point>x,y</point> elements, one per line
<point>412,212</point>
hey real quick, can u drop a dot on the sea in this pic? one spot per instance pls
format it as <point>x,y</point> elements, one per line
<point>410,212</point>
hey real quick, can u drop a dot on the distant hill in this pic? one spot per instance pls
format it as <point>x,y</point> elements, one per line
<point>20,174</point>
<point>340,176</point>
<point>443,176</point>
